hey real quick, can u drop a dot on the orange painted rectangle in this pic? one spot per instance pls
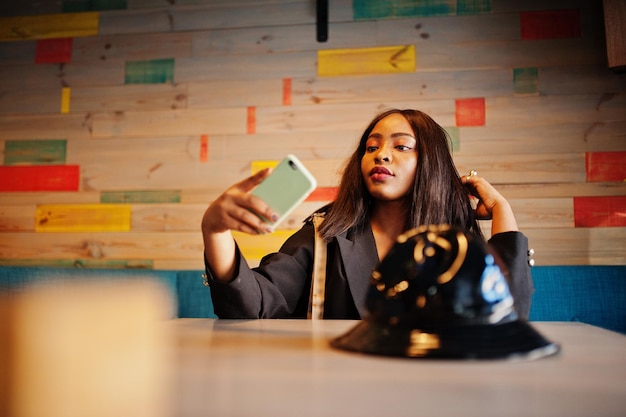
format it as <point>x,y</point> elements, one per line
<point>550,24</point>
<point>605,166</point>
<point>251,120</point>
<point>603,211</point>
<point>83,218</point>
<point>204,148</point>
<point>286,91</point>
<point>40,178</point>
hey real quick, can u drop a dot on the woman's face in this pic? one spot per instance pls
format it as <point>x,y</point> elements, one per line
<point>390,160</point>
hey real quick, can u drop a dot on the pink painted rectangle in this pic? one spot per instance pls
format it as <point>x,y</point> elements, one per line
<point>323,194</point>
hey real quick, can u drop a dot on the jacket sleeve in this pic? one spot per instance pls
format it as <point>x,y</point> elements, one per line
<point>512,247</point>
<point>277,288</point>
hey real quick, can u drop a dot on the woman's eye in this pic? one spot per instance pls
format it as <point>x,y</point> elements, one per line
<point>371,148</point>
<point>403,147</point>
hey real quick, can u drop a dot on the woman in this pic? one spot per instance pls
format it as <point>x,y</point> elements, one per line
<point>400,176</point>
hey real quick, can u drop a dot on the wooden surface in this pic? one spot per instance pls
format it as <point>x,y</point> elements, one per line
<point>184,98</point>
<point>275,367</point>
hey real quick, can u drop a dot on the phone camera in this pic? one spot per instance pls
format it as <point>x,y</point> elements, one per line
<point>293,165</point>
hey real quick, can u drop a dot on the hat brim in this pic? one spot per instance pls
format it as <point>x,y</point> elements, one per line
<point>512,340</point>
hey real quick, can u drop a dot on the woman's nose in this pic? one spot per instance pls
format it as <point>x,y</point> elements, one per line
<point>383,154</point>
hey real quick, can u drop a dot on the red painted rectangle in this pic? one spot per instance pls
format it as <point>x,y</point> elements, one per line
<point>550,24</point>
<point>53,51</point>
<point>323,194</point>
<point>605,166</point>
<point>470,112</point>
<point>40,178</point>
<point>604,211</point>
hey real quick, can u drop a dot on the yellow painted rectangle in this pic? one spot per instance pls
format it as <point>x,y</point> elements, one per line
<point>50,26</point>
<point>66,93</point>
<point>257,166</point>
<point>83,218</point>
<point>378,60</point>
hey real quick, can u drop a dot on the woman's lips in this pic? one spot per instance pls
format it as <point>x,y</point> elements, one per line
<point>380,174</point>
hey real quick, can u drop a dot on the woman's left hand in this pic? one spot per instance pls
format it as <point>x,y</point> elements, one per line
<point>490,204</point>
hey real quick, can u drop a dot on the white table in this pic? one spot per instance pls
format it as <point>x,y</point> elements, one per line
<point>286,368</point>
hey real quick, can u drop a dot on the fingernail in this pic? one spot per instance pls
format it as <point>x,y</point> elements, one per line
<point>274,217</point>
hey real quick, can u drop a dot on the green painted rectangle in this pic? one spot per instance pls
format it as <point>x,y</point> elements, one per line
<point>470,7</point>
<point>455,137</point>
<point>141,197</point>
<point>526,81</point>
<point>80,263</point>
<point>70,6</point>
<point>376,9</point>
<point>157,71</point>
<point>35,152</point>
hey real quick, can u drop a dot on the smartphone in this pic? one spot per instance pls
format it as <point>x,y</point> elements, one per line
<point>286,187</point>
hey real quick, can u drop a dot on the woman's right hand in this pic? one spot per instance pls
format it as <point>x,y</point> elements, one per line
<point>234,209</point>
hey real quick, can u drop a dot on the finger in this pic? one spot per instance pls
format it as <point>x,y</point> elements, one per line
<point>254,180</point>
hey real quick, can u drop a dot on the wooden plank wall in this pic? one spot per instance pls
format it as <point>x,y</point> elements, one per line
<point>121,120</point>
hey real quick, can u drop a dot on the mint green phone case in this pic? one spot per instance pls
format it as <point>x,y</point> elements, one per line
<point>286,187</point>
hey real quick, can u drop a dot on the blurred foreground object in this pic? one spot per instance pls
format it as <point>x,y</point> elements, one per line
<point>86,349</point>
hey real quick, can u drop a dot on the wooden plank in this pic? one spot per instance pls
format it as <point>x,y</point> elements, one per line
<point>29,8</point>
<point>272,39</point>
<point>357,61</point>
<point>343,117</point>
<point>68,126</point>
<point>553,246</point>
<point>539,213</point>
<point>605,211</point>
<point>550,24</point>
<point>578,246</point>
<point>235,93</point>
<point>580,80</point>
<point>17,52</point>
<point>35,152</point>
<point>237,67</point>
<point>83,218</point>
<point>559,190</point>
<point>33,101</point>
<point>102,246</point>
<point>70,6</point>
<point>140,97</point>
<point>402,87</point>
<point>169,122</point>
<point>81,263</point>
<point>573,136</point>
<point>17,218</point>
<point>544,110</point>
<point>529,168</point>
<point>40,178</point>
<point>614,16</point>
<point>117,22</point>
<point>64,25</point>
<point>133,47</point>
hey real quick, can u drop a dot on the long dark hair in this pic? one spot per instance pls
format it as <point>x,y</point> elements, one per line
<point>438,196</point>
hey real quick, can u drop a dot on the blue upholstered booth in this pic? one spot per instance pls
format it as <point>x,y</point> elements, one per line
<point>591,294</point>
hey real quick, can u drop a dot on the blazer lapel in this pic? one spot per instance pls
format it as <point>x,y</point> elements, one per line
<point>359,255</point>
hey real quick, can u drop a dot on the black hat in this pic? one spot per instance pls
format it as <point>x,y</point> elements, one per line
<point>441,293</point>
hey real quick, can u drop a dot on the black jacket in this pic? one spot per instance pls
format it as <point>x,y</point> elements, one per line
<point>279,287</point>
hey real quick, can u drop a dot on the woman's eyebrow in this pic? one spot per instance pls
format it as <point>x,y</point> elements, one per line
<point>393,135</point>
